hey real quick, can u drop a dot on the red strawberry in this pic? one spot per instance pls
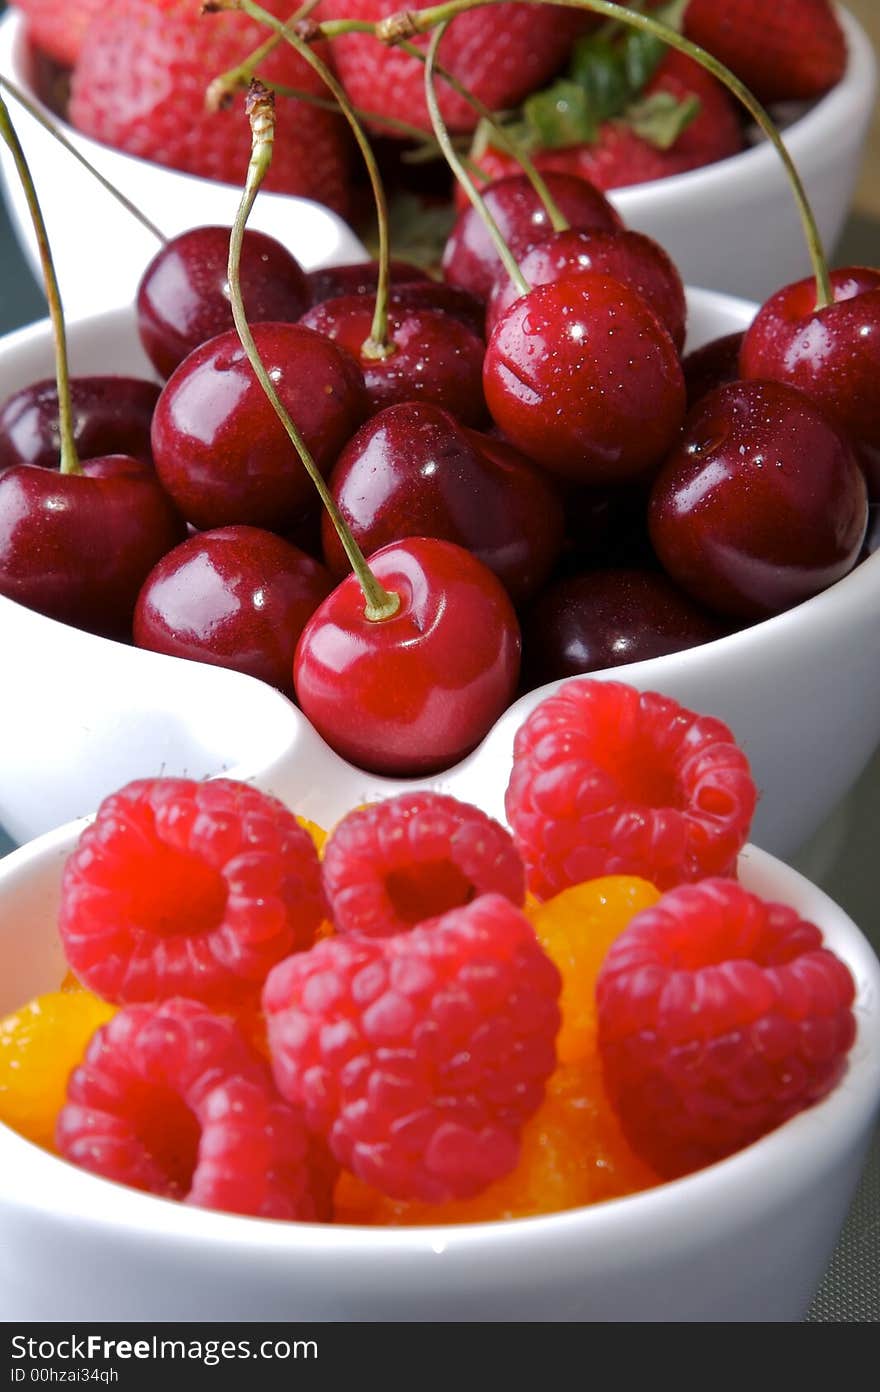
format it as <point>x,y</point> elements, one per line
<point>620,156</point>
<point>140,86</point>
<point>791,50</point>
<point>500,54</point>
<point>57,26</point>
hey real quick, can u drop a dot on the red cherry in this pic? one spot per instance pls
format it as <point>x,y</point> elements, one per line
<point>434,294</point>
<point>183,296</point>
<point>582,377</point>
<point>238,597</point>
<point>111,415</point>
<point>360,278</point>
<point>607,618</point>
<point>470,259</point>
<point>414,693</point>
<point>414,471</point>
<point>713,365</point>
<point>221,451</point>
<point>630,257</point>
<point>436,358</point>
<point>762,504</point>
<point>78,546</point>
<point>832,354</point>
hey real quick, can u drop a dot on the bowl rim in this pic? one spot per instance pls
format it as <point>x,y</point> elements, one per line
<point>855,88</point>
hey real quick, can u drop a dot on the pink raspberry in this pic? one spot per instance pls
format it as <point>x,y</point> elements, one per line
<point>610,781</point>
<point>184,888</point>
<point>170,1099</point>
<point>413,857</point>
<point>720,1016</point>
<point>420,1057</point>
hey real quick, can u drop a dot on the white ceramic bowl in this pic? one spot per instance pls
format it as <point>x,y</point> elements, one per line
<point>80,715</point>
<point>743,203</point>
<point>744,1240</point>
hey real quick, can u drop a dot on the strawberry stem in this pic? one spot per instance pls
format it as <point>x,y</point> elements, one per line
<point>69,458</point>
<point>379,602</point>
<point>220,91</point>
<point>507,258</point>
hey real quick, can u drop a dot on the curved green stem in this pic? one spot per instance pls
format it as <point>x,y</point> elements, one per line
<point>69,458</point>
<point>410,23</point>
<point>379,602</point>
<point>220,90</point>
<point>34,111</point>
<point>507,258</point>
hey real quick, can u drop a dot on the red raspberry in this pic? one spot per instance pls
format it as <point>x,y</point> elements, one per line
<point>399,862</point>
<point>172,1100</point>
<point>720,1016</point>
<point>420,1057</point>
<point>610,781</point>
<point>185,888</point>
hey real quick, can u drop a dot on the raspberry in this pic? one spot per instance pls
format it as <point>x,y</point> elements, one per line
<point>609,781</point>
<point>573,1153</point>
<point>185,888</point>
<point>720,1016</point>
<point>39,1045</point>
<point>396,863</point>
<point>170,1099</point>
<point>419,1057</point>
<point>576,929</point>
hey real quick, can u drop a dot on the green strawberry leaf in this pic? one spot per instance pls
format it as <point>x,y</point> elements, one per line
<point>599,68</point>
<point>560,115</point>
<point>661,118</point>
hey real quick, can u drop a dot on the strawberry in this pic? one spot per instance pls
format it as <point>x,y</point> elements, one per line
<point>500,54</point>
<point>683,120</point>
<point>792,50</point>
<point>57,26</point>
<point>140,86</point>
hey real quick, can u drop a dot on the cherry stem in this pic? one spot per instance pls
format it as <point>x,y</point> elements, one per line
<point>411,23</point>
<point>260,106</point>
<point>69,458</point>
<point>439,125</point>
<point>221,89</point>
<point>37,115</point>
<point>380,344</point>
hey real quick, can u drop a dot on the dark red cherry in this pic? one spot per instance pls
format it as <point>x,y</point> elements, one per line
<point>111,415</point>
<point>762,504</point>
<point>360,278</point>
<point>436,358</point>
<point>238,597</point>
<point>607,618</point>
<point>435,294</point>
<point>414,471</point>
<point>221,451</point>
<point>582,377</point>
<point>630,257</point>
<point>414,693</point>
<point>832,354</point>
<point>470,259</point>
<point>713,365</point>
<point>183,296</point>
<point>78,546</point>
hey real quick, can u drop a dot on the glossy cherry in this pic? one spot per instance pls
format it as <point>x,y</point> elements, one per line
<point>413,470</point>
<point>607,618</point>
<point>413,693</point>
<point>111,415</point>
<point>78,546</point>
<point>713,365</point>
<point>221,451</point>
<point>183,296</point>
<point>582,377</point>
<point>832,354</point>
<point>436,294</point>
<point>762,504</point>
<point>435,358</point>
<point>470,259</point>
<point>237,597</point>
<point>630,257</point>
<point>359,278</point>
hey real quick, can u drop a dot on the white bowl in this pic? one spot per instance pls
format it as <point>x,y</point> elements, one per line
<point>747,1239</point>
<point>80,715</point>
<point>743,203</point>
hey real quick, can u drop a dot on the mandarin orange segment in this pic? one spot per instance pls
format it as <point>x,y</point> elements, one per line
<point>40,1044</point>
<point>317,833</point>
<point>576,928</point>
